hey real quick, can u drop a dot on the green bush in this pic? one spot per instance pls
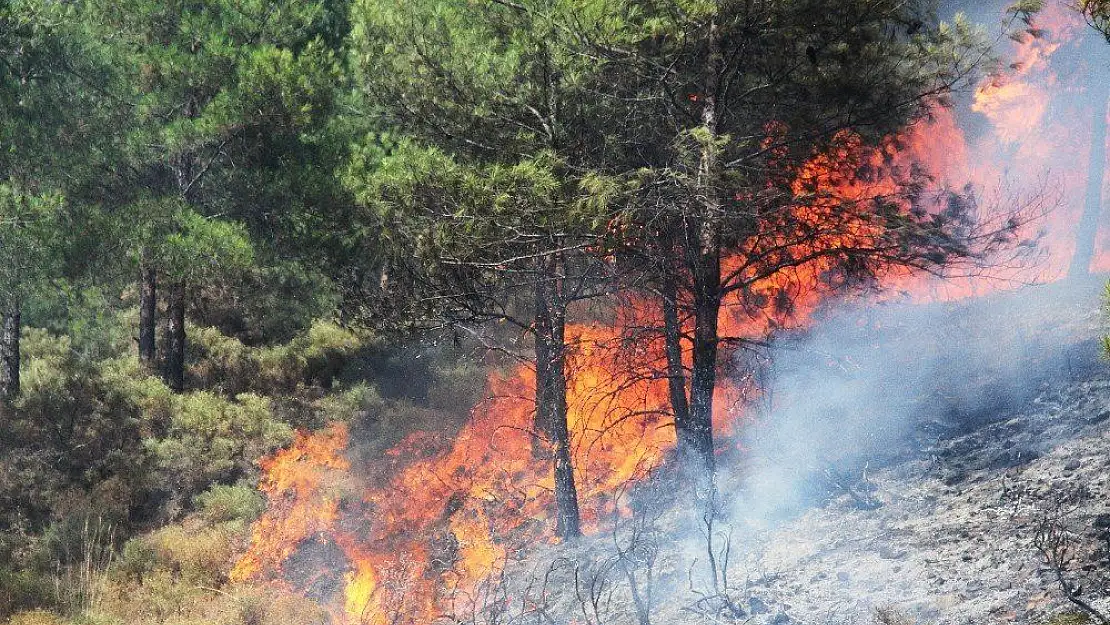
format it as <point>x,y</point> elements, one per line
<point>230,503</point>
<point>137,559</point>
<point>211,439</point>
<point>265,305</point>
<point>73,436</point>
<point>23,590</point>
<point>200,556</point>
<point>222,363</point>
<point>90,317</point>
<point>316,357</point>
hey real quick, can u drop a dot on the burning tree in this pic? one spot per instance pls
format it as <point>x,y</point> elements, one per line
<point>488,197</point>
<point>773,168</point>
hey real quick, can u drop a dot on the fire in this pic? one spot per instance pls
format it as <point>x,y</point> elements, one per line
<point>297,484</point>
<point>448,519</point>
<point>446,514</point>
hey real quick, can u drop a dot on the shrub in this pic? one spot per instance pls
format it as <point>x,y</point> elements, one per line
<point>199,556</point>
<point>230,503</point>
<point>316,357</point>
<point>272,607</point>
<point>73,436</point>
<point>222,363</point>
<point>23,590</point>
<point>138,558</point>
<point>212,439</point>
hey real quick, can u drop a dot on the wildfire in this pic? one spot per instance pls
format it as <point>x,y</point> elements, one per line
<point>447,520</point>
<point>454,511</point>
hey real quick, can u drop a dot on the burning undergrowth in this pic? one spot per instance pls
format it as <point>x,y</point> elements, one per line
<point>879,394</point>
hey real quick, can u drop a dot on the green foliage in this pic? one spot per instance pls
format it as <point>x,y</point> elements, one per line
<point>315,357</point>
<point>1026,8</point>
<point>1097,13</point>
<point>78,434</point>
<point>223,503</point>
<point>97,328</point>
<point>24,589</point>
<point>265,305</point>
<point>211,439</point>
<point>199,555</point>
<point>198,246</point>
<point>103,437</point>
<point>29,238</point>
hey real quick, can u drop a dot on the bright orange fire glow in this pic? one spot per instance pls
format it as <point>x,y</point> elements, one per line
<point>448,513</point>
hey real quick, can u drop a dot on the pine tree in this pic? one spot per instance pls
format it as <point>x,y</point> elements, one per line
<point>41,135</point>
<point>487,194</point>
<point>728,101</point>
<point>208,90</point>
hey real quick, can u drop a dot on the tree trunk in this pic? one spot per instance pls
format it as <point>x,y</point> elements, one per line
<point>184,168</point>
<point>9,353</point>
<point>695,440</point>
<point>551,391</point>
<point>703,257</point>
<point>1087,230</point>
<point>174,372</point>
<point>148,314</point>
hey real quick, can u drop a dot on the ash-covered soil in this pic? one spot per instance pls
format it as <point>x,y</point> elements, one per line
<point>953,538</point>
<point>940,526</point>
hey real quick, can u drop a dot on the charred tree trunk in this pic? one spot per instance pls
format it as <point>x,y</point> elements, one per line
<point>551,391</point>
<point>148,313</point>
<point>695,435</point>
<point>174,371</point>
<point>9,353</point>
<point>1088,224</point>
<point>703,257</point>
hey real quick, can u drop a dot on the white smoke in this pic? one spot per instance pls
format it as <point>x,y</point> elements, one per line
<point>873,384</point>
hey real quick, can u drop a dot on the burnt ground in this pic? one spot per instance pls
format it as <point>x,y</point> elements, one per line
<point>952,541</point>
<point>941,527</point>
<point>949,539</point>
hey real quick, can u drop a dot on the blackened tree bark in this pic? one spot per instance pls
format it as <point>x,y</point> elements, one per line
<point>551,389</point>
<point>1088,224</point>
<point>703,257</point>
<point>174,372</point>
<point>9,352</point>
<point>695,437</point>
<point>148,313</point>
